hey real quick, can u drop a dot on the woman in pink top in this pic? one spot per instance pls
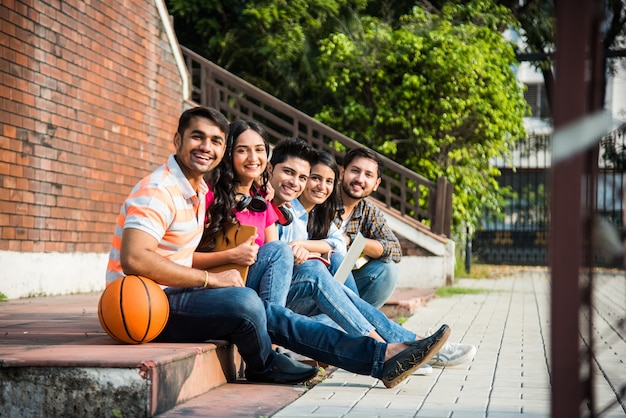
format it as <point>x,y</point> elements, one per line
<point>239,186</point>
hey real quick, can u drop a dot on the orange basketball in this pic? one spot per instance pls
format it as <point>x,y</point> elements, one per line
<point>133,310</point>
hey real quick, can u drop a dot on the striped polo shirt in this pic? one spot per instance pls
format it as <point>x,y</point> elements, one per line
<point>165,206</point>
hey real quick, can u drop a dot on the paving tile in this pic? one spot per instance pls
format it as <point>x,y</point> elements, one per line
<point>509,376</point>
<point>434,413</point>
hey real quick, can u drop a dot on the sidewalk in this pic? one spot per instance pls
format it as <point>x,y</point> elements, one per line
<point>508,319</point>
<point>509,323</point>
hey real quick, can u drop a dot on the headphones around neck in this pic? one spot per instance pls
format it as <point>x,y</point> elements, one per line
<point>285,217</point>
<point>253,203</point>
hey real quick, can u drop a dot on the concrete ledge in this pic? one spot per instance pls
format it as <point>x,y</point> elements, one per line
<point>35,390</point>
<point>404,301</point>
<point>55,360</point>
<point>428,271</point>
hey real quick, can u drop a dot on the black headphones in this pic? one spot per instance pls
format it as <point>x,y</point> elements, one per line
<point>285,217</point>
<point>253,203</point>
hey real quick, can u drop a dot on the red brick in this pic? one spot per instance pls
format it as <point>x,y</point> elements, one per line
<point>70,102</point>
<point>8,233</point>
<point>27,246</point>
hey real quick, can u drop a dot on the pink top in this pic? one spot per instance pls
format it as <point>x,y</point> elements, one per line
<point>247,217</point>
<point>259,219</point>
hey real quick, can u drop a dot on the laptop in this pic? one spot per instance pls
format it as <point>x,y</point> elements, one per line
<point>356,248</point>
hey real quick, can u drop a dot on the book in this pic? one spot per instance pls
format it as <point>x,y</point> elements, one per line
<point>324,258</point>
<point>231,237</point>
<point>360,262</point>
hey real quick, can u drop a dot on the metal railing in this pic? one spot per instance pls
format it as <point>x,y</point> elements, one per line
<point>404,193</point>
<point>520,237</point>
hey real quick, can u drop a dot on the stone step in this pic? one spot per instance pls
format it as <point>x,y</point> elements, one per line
<point>404,301</point>
<point>56,361</point>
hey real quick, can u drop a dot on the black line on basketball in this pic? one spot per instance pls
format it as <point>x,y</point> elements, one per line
<point>130,337</point>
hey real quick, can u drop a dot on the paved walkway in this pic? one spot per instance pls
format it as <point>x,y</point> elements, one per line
<point>508,319</point>
<point>509,322</point>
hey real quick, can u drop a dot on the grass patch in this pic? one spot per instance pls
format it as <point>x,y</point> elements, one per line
<point>322,374</point>
<point>477,270</point>
<point>492,271</point>
<point>448,291</point>
<point>401,320</point>
<point>3,297</point>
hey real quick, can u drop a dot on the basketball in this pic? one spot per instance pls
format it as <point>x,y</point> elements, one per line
<point>133,310</point>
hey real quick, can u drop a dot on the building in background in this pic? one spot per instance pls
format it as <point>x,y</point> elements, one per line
<point>521,235</point>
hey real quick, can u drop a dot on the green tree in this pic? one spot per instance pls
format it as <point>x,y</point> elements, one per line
<point>537,23</point>
<point>269,43</point>
<point>438,94</point>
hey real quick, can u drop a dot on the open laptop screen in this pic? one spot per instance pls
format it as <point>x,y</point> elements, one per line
<point>356,248</point>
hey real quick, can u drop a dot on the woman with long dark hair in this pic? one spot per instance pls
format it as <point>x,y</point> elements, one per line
<point>239,186</point>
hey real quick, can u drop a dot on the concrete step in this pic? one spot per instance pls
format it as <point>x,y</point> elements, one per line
<point>241,399</point>
<point>56,361</point>
<point>405,300</point>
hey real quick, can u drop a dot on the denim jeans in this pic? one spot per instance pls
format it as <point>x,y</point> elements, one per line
<point>235,314</point>
<point>362,355</point>
<point>376,281</point>
<point>314,291</point>
<point>270,275</point>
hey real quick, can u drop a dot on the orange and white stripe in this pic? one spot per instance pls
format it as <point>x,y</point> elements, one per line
<point>165,206</point>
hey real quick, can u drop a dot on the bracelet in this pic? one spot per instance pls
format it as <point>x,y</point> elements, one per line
<point>206,278</point>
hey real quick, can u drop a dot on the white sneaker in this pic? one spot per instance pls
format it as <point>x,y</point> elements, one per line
<point>425,370</point>
<point>295,356</point>
<point>453,354</point>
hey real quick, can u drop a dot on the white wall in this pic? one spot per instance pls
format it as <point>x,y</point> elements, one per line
<point>38,274</point>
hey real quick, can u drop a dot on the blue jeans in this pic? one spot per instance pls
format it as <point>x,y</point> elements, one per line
<point>376,281</point>
<point>362,355</point>
<point>237,314</point>
<point>270,275</point>
<point>314,291</point>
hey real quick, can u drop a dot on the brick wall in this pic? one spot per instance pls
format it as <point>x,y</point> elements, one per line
<point>90,96</point>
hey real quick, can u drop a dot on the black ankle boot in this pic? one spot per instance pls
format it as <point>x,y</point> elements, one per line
<point>283,370</point>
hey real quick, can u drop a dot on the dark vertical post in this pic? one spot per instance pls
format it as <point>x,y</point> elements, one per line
<point>447,223</point>
<point>566,212</point>
<point>468,250</point>
<point>575,96</point>
<point>439,213</point>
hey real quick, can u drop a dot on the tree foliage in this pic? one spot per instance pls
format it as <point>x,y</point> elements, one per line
<point>270,43</point>
<point>430,84</point>
<point>437,94</point>
<point>537,23</point>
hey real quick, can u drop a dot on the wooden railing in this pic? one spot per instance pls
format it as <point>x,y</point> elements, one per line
<point>406,194</point>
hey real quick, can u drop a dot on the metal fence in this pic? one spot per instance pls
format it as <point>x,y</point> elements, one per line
<point>520,235</point>
<point>404,193</point>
